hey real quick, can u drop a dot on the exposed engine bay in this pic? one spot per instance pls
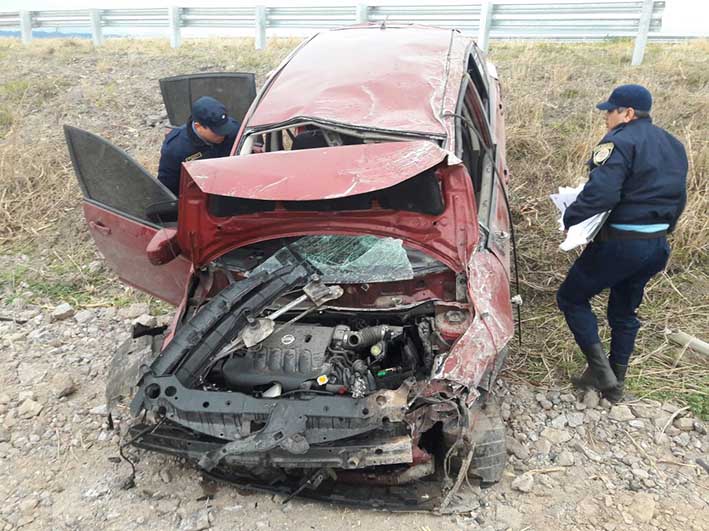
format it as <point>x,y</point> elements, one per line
<point>336,360</point>
<point>270,375</point>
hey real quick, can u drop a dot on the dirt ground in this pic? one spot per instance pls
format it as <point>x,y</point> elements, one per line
<point>574,463</point>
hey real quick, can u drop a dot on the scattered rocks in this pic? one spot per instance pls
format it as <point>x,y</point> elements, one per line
<point>98,491</point>
<point>63,385</point>
<point>590,454</point>
<point>565,458</point>
<point>661,438</point>
<point>84,316</point>
<point>29,408</point>
<point>556,436</point>
<point>543,447</point>
<point>559,422</point>
<point>684,423</point>
<point>550,430</point>
<point>62,311</point>
<point>145,320</point>
<point>642,508</point>
<point>134,310</point>
<point>165,475</point>
<point>575,419</point>
<point>100,410</point>
<point>542,399</point>
<point>682,439</point>
<point>516,448</point>
<point>621,413</point>
<point>198,521</point>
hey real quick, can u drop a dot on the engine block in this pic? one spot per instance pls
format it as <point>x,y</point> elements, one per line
<point>289,357</point>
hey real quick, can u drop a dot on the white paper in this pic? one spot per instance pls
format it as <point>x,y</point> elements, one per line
<point>583,232</point>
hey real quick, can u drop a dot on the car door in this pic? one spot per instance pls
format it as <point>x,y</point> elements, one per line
<point>236,90</point>
<point>117,193</point>
<point>492,205</point>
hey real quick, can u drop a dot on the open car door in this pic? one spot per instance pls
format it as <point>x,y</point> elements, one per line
<point>236,90</point>
<point>117,194</point>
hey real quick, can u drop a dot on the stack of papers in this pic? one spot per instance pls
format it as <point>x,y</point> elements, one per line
<point>581,233</point>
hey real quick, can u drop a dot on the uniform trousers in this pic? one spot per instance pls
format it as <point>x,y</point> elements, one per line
<point>622,265</point>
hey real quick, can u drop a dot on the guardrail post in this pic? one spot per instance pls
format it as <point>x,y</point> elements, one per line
<point>260,27</point>
<point>643,30</point>
<point>362,13</point>
<point>26,26</point>
<point>173,15</point>
<point>486,8</point>
<point>96,32</point>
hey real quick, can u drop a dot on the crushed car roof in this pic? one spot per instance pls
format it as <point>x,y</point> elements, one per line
<point>391,79</point>
<point>321,173</point>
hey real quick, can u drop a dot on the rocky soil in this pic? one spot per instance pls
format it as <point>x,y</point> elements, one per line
<point>575,462</point>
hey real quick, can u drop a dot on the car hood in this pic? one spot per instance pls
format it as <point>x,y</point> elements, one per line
<point>311,174</point>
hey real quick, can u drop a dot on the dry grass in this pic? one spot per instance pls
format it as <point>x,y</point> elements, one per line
<point>549,89</point>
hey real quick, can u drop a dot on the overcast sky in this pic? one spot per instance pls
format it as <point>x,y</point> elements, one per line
<point>681,17</point>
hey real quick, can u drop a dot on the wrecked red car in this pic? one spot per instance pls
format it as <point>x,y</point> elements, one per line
<point>341,281</point>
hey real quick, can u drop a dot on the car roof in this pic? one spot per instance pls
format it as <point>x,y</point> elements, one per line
<point>401,78</point>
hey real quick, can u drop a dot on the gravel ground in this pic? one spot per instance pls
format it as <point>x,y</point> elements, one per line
<point>575,462</point>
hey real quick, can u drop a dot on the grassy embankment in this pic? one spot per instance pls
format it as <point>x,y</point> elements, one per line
<point>549,90</point>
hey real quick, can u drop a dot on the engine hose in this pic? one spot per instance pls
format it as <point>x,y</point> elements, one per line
<point>367,337</point>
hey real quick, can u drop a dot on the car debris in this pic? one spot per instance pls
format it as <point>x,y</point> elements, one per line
<point>342,281</point>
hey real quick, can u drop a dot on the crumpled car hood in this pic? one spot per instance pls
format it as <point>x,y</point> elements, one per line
<point>311,174</point>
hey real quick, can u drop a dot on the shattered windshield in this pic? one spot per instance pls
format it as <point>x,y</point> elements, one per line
<point>355,259</point>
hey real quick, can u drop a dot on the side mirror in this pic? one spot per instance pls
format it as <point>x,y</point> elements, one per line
<point>163,248</point>
<point>163,212</point>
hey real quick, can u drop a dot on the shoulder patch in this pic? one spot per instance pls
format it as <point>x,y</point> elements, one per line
<point>601,153</point>
<point>194,156</point>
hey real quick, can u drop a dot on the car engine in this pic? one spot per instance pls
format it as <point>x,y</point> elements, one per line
<point>333,360</point>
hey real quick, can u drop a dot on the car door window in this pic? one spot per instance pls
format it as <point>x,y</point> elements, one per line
<point>236,90</point>
<point>470,152</point>
<point>476,127</point>
<point>111,178</point>
<point>478,74</point>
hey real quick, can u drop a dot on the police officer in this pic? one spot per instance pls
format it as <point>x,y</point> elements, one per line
<point>638,171</point>
<point>209,133</point>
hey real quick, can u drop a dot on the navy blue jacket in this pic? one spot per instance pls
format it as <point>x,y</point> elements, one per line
<point>642,182</point>
<point>182,144</point>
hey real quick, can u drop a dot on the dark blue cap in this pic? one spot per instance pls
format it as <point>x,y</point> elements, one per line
<point>635,96</point>
<point>211,113</point>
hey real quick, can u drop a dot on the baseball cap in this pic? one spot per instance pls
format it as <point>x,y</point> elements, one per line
<point>635,96</point>
<point>212,113</point>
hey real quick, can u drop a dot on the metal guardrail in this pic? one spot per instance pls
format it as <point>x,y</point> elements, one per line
<point>550,20</point>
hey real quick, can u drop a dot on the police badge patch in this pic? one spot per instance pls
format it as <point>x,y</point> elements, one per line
<point>601,153</point>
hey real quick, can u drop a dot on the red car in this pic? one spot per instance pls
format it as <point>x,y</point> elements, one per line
<point>341,281</point>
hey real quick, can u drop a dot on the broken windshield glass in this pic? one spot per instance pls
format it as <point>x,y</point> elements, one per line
<point>352,259</point>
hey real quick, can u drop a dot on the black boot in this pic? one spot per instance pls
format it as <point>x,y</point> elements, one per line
<point>598,374</point>
<point>615,394</point>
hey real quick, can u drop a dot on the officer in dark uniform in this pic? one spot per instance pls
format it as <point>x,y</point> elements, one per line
<point>638,171</point>
<point>208,134</point>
